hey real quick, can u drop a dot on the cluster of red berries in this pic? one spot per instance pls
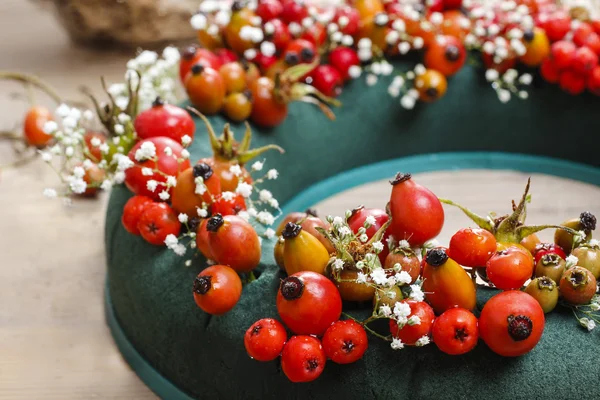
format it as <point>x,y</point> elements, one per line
<point>573,61</point>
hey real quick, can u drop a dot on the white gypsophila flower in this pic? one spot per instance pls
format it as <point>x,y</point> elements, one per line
<point>371,80</point>
<point>396,344</point>
<point>265,195</point>
<point>228,196</point>
<point>245,216</point>
<point>419,69</point>
<point>418,42</point>
<point>171,54</point>
<point>146,151</point>
<point>403,278</point>
<point>267,48</point>
<point>87,164</point>
<point>365,54</point>
<point>385,310</point>
<point>361,278</point>
<point>360,265</point>
<point>78,172</point>
<point>403,244</point>
<point>364,43</point>
<point>594,242</point>
<point>78,185</point>
<point>50,193</point>
<point>252,212</point>
<point>164,195</point>
<point>269,233</point>
<point>504,95</point>
<point>363,238</point>
<point>423,341</point>
<point>50,127</point>
<point>171,181</point>
<point>587,323</point>
<point>265,218</point>
<point>337,221</point>
<point>198,22</point>
<point>69,151</point>
<point>274,203</point>
<point>257,166</point>
<point>171,241</point>
<point>594,306</point>
<point>235,170</point>
<point>88,115</point>
<point>200,188</point>
<point>188,263</point>
<point>571,261</point>
<point>183,218</point>
<point>244,189</point>
<point>123,162</point>
<point>119,129</point>
<point>186,140</point>
<point>106,184</point>
<point>146,57</point>
<point>378,246</point>
<point>403,47</point>
<point>119,177</point>
<point>414,320</point>
<point>202,213</point>
<point>63,110</point>
<point>46,156</point>
<point>272,174</point>
<point>416,293</point>
<point>491,75</point>
<point>393,91</point>
<point>370,220</point>
<point>338,264</point>
<point>185,154</point>
<point>401,310</point>
<point>407,102</point>
<point>180,250</point>
<point>147,171</point>
<point>344,231</point>
<point>151,185</point>
<point>354,71</point>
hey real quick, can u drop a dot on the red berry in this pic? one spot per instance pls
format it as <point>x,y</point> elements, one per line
<point>596,26</point>
<point>264,62</point>
<point>303,359</point>
<point>347,18</point>
<point>541,249</point>
<point>593,81</point>
<point>192,56</point>
<point>584,61</point>
<point>158,220</point>
<point>299,51</point>
<point>549,71</point>
<point>269,9</point>
<point>316,34</point>
<point>593,43</point>
<point>294,11</point>
<point>225,56</point>
<point>345,342</point>
<point>225,206</point>
<point>452,4</point>
<point>342,58</point>
<point>557,25</point>
<point>438,5</point>
<point>455,331</point>
<point>327,80</point>
<point>265,339</point>
<point>562,54</point>
<point>278,33</point>
<point>164,120</point>
<point>571,82</point>
<point>411,332</point>
<point>580,35</point>
<point>132,211</point>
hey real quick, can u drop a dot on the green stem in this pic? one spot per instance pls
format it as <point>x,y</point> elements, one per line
<point>482,222</point>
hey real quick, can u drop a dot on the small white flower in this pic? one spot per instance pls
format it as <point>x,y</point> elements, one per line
<point>252,212</point>
<point>403,244</point>
<point>188,263</point>
<point>571,261</point>
<point>257,166</point>
<point>164,195</point>
<point>147,171</point>
<point>364,54</point>
<point>295,28</point>
<point>274,203</point>
<point>171,181</point>
<point>244,189</point>
<point>200,186</point>
<point>347,40</point>
<point>269,233</point>
<point>88,115</point>
<point>364,238</point>
<point>403,47</point>
<point>78,185</point>
<point>198,22</point>
<point>63,110</point>
<point>186,140</point>
<point>385,310</point>
<point>595,306</point>
<point>401,310</point>
<point>371,80</point>
<point>378,246</point>
<point>414,320</point>
<point>361,278</point>
<point>399,25</point>
<point>244,215</point>
<point>403,278</point>
<point>594,242</point>
<point>354,71</point>
<point>265,218</point>
<point>202,213</point>
<point>119,129</point>
<point>146,151</point>
<point>151,185</point>
<point>78,172</point>
<point>407,102</point>
<point>436,18</point>
<point>503,95</point>
<point>146,57</point>
<point>338,264</point>
<point>416,293</point>
<point>269,28</point>
<point>337,221</point>
<point>491,75</point>
<point>171,241</point>
<point>179,250</point>
<point>369,221</point>
<point>183,218</point>
<point>228,196</point>
<point>364,43</point>
<point>265,195</point>
<point>418,42</point>
<point>50,193</point>
<point>106,184</point>
<point>523,94</point>
<point>46,156</point>
<point>419,69</point>
<point>360,265</point>
<point>50,127</point>
<point>272,174</point>
<point>423,341</point>
<point>119,177</point>
<point>69,151</point>
<point>587,323</point>
<point>397,344</point>
<point>344,231</point>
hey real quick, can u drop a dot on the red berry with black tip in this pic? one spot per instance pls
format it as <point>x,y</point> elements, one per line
<point>562,54</point>
<point>303,359</point>
<point>265,339</point>
<point>584,61</point>
<point>571,82</point>
<point>164,119</point>
<point>446,54</point>
<point>192,55</point>
<point>345,342</point>
<point>269,9</point>
<point>157,221</point>
<point>342,59</point>
<point>299,51</point>
<point>327,80</point>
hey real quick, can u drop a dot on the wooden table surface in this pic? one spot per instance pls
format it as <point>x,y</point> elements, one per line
<point>53,340</point>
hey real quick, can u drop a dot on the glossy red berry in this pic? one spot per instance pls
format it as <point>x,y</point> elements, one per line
<point>411,332</point>
<point>294,11</point>
<point>326,80</point>
<point>584,60</point>
<point>345,342</point>
<point>542,249</point>
<point>132,211</point>
<point>581,34</point>
<point>192,55</point>
<point>265,339</point>
<point>347,19</point>
<point>452,4</point>
<point>164,120</point>
<point>228,205</point>
<point>446,54</point>
<point>571,82</point>
<point>342,59</point>
<point>316,34</point>
<point>593,81</point>
<point>278,33</point>
<point>549,71</point>
<point>269,9</point>
<point>234,242</point>
<point>225,56</point>
<point>562,54</point>
<point>303,359</point>
<point>557,25</point>
<point>593,43</point>
<point>157,221</point>
<point>299,51</point>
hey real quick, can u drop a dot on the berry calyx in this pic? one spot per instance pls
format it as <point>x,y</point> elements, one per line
<point>214,223</point>
<point>436,257</point>
<point>292,288</point>
<point>202,170</point>
<point>519,327</point>
<point>291,230</point>
<point>202,284</point>
<point>588,221</point>
<point>400,177</point>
